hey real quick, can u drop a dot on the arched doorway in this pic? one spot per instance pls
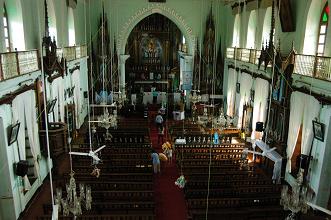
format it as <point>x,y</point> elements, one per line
<point>153,65</point>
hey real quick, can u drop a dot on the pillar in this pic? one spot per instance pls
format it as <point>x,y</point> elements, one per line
<point>123,59</point>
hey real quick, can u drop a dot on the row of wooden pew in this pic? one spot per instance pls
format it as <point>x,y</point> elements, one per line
<point>221,184</point>
<point>124,189</point>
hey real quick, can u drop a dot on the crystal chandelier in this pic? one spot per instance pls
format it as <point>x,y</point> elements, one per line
<point>108,120</point>
<point>203,120</point>
<point>72,203</point>
<point>121,99</point>
<point>296,199</point>
<point>220,121</point>
<point>195,98</point>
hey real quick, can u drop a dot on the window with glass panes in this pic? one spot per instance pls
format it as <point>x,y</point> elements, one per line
<point>6,28</point>
<point>323,30</point>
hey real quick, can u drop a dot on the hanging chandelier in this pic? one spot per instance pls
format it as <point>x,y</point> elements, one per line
<point>72,203</point>
<point>121,99</point>
<point>195,97</point>
<point>296,199</point>
<point>108,120</point>
<point>220,121</point>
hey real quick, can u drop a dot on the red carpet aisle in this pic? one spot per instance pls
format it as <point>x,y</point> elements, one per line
<point>169,199</point>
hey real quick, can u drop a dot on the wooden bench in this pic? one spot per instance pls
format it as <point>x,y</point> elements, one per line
<point>120,177</point>
<point>138,216</point>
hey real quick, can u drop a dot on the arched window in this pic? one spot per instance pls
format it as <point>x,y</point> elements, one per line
<point>71,25</point>
<point>324,19</point>
<point>6,28</point>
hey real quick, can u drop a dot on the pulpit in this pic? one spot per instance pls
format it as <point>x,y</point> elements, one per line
<point>57,134</point>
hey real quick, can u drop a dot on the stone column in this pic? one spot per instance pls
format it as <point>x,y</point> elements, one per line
<point>186,66</point>
<point>122,60</point>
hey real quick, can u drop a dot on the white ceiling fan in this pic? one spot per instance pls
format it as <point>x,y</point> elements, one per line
<point>264,153</point>
<point>92,154</point>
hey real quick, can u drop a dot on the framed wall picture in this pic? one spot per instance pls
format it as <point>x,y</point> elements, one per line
<point>252,95</point>
<point>13,132</point>
<point>318,129</point>
<point>50,106</point>
<point>238,87</point>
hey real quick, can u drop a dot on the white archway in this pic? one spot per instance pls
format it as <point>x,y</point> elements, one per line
<point>171,14</point>
<point>251,30</point>
<point>15,19</point>
<point>312,26</point>
<point>71,27</point>
<point>236,31</point>
<point>51,19</point>
<point>266,25</point>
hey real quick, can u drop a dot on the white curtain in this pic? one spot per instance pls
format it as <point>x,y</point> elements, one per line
<point>76,82</point>
<point>231,93</point>
<point>32,127</point>
<point>19,116</point>
<point>261,94</point>
<point>246,81</point>
<point>296,114</point>
<point>309,114</point>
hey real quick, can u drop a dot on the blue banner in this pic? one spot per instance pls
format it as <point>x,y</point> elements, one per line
<point>187,80</point>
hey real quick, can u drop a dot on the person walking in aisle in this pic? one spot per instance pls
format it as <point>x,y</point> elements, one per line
<point>160,134</point>
<point>159,120</point>
<point>156,161</point>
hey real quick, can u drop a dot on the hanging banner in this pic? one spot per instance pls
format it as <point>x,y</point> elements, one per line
<point>187,80</point>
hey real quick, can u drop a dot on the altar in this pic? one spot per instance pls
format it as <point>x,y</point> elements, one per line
<point>148,97</point>
<point>178,115</point>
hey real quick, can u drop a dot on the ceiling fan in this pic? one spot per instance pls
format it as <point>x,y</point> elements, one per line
<point>264,153</point>
<point>92,154</point>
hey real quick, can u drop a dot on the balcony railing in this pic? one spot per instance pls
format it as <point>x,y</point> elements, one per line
<point>18,63</point>
<point>243,54</point>
<point>307,65</point>
<point>313,66</point>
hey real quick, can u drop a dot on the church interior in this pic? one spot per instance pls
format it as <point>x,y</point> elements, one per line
<point>241,90</point>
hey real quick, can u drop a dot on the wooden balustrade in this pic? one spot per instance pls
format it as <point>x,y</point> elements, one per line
<point>307,65</point>
<point>243,54</point>
<point>13,64</point>
<point>18,63</point>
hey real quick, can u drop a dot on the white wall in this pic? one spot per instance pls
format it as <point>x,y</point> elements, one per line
<point>12,199</point>
<point>321,163</point>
